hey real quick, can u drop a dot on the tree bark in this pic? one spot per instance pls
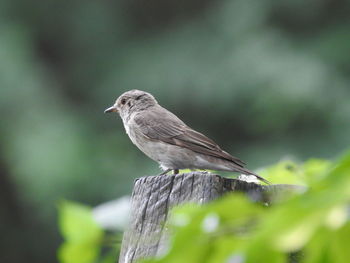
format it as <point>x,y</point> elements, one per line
<point>154,196</point>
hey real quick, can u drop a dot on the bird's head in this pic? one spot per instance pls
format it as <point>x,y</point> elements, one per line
<point>132,101</point>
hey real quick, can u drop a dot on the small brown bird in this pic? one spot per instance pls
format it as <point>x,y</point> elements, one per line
<point>163,137</point>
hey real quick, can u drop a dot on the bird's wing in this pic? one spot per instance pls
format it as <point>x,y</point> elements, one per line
<point>164,126</point>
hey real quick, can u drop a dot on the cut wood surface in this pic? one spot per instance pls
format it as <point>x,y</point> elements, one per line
<point>154,196</point>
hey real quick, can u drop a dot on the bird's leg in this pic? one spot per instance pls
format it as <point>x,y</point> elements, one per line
<point>165,172</point>
<point>176,171</point>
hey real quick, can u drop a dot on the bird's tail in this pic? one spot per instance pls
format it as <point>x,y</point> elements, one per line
<point>261,178</point>
<point>247,172</point>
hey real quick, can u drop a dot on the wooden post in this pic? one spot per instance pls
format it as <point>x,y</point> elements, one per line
<point>154,196</point>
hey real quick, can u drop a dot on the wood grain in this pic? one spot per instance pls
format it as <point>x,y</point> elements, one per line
<point>154,196</point>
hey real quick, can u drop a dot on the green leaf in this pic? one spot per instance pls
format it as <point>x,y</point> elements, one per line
<point>81,233</point>
<point>286,172</point>
<point>314,168</point>
<point>77,224</point>
<point>339,246</point>
<point>71,252</point>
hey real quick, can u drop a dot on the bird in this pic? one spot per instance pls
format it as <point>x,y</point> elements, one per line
<point>166,139</point>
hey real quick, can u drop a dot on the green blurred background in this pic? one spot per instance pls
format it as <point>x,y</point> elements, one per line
<point>265,79</point>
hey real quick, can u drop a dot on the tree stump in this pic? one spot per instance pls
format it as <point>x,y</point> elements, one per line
<point>154,196</point>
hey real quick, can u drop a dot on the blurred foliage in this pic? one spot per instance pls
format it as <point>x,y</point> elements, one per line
<point>313,225</point>
<point>290,172</point>
<point>271,78</point>
<point>84,238</point>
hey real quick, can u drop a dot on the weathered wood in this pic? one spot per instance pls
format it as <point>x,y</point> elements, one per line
<point>153,196</point>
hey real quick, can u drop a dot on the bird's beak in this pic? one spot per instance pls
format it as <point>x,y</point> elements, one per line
<point>111,109</point>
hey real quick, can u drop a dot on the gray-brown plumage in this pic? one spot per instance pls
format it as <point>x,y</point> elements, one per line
<point>163,137</point>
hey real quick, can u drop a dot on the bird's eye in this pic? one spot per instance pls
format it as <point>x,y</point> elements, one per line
<point>123,101</point>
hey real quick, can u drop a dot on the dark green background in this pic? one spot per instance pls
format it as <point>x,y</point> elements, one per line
<point>267,80</point>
